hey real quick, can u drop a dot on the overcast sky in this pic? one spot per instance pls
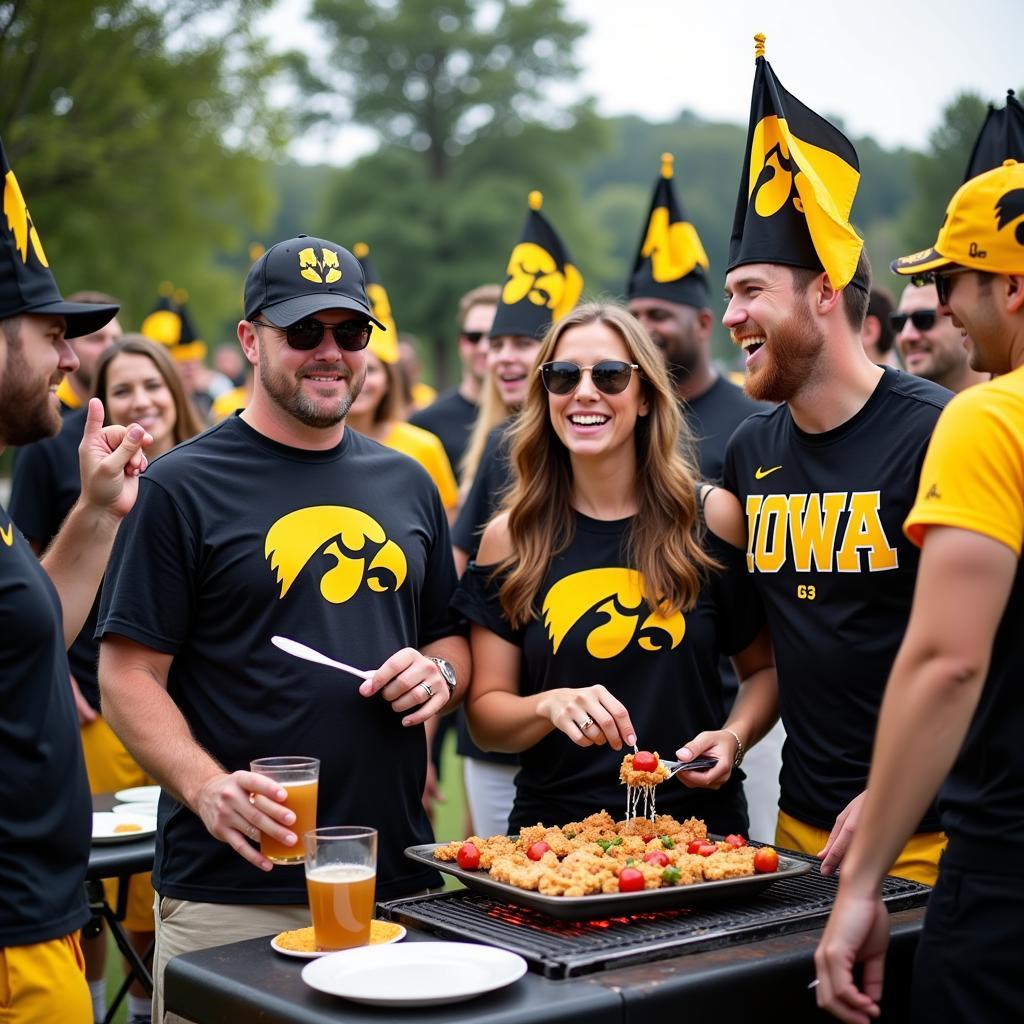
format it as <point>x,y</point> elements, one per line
<point>887,67</point>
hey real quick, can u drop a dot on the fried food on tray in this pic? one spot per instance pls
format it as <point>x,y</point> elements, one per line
<point>587,857</point>
<point>302,940</point>
<point>646,775</point>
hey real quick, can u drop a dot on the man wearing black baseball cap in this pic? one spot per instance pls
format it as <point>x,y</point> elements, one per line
<point>280,522</point>
<point>44,794</point>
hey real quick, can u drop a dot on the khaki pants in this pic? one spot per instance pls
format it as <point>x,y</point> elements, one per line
<point>184,927</point>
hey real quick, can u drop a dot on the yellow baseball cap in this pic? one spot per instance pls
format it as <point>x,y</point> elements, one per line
<point>983,229</point>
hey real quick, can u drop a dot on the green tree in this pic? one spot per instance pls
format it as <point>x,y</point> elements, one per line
<point>139,131</point>
<point>461,94</point>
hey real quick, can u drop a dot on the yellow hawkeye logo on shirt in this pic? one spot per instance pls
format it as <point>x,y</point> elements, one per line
<point>760,474</point>
<point>610,603</point>
<point>821,532</point>
<point>7,535</point>
<point>355,543</point>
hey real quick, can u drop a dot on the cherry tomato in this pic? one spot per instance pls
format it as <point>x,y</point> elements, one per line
<point>656,857</point>
<point>695,844</point>
<point>630,880</point>
<point>736,841</point>
<point>468,857</point>
<point>645,761</point>
<point>537,850</point>
<point>647,839</point>
<point>766,860</point>
<point>707,849</point>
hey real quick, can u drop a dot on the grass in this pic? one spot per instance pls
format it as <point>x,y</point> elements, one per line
<point>449,824</point>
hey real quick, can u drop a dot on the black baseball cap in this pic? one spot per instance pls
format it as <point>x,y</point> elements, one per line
<point>27,284</point>
<point>303,276</point>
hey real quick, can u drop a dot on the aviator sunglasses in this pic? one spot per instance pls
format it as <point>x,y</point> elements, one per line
<point>922,319</point>
<point>349,335</point>
<point>610,376</point>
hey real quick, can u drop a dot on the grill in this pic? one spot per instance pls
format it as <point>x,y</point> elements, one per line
<point>566,949</point>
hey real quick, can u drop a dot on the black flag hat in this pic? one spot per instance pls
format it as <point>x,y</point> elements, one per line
<point>541,285</point>
<point>384,341</point>
<point>27,284</point>
<point>169,324</point>
<point>670,262</point>
<point>1001,138</point>
<point>800,176</point>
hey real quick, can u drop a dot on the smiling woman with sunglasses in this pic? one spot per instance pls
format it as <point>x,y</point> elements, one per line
<point>599,600</point>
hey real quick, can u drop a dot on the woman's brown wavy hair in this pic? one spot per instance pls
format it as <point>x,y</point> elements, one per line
<point>663,542</point>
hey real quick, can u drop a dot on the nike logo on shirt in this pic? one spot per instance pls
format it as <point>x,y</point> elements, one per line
<point>760,474</point>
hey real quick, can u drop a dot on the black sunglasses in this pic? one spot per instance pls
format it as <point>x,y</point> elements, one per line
<point>922,319</point>
<point>349,335</point>
<point>943,283</point>
<point>610,376</point>
<point>473,337</point>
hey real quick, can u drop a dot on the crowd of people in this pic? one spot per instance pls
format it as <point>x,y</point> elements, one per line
<point>594,540</point>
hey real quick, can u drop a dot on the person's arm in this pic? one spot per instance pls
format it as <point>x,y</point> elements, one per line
<point>111,460</point>
<point>501,719</point>
<point>963,584</point>
<point>133,685</point>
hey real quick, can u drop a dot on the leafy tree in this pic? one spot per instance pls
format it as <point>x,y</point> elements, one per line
<point>461,94</point>
<point>139,130</point>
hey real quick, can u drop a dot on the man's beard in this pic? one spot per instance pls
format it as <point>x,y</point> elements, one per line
<point>792,352</point>
<point>681,358</point>
<point>286,393</point>
<point>28,411</point>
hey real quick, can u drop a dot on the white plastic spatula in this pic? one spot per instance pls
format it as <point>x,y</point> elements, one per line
<point>297,650</point>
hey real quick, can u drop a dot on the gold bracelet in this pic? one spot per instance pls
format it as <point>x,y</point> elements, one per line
<point>740,749</point>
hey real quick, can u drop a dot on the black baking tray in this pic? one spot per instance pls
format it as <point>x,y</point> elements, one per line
<point>613,904</point>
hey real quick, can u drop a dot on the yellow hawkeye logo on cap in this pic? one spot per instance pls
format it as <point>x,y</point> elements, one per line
<point>8,534</point>
<point>19,220</point>
<point>323,271</point>
<point>760,474</point>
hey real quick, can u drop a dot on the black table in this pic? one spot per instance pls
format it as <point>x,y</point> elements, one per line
<point>119,860</point>
<point>249,981</point>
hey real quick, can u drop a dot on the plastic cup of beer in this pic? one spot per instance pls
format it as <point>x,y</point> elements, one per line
<point>299,777</point>
<point>341,877</point>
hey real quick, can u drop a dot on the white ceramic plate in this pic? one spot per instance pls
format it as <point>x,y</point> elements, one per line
<point>135,808</point>
<point>316,954</point>
<point>105,824</point>
<point>139,794</point>
<point>430,973</point>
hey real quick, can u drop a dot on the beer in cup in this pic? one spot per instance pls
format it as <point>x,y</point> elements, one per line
<point>341,876</point>
<point>299,777</point>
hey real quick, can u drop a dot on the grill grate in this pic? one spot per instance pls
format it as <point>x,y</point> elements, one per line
<point>564,949</point>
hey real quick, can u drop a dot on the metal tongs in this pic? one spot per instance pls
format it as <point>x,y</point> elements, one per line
<point>698,764</point>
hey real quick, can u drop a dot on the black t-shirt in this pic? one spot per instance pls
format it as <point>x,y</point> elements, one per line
<point>712,418</point>
<point>593,627</point>
<point>236,538</point>
<point>451,418</point>
<point>826,547</point>
<point>45,817</point>
<point>46,484</point>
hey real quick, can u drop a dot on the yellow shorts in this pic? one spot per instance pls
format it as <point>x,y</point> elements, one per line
<point>110,767</point>
<point>918,860</point>
<point>44,983</point>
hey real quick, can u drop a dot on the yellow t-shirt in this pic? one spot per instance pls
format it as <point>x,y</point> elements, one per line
<point>973,474</point>
<point>423,395</point>
<point>224,405</point>
<point>427,450</point>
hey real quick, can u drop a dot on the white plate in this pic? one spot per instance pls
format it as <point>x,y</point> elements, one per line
<point>135,808</point>
<point>316,954</point>
<point>104,824</point>
<point>414,973</point>
<point>139,794</point>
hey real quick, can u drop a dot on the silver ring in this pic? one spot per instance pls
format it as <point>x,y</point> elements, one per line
<point>426,686</point>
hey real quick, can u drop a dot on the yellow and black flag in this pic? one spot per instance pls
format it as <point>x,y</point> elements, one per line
<point>800,176</point>
<point>169,324</point>
<point>542,284</point>
<point>670,262</point>
<point>383,340</point>
<point>1001,138</point>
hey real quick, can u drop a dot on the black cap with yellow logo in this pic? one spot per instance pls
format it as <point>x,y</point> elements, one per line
<point>383,342</point>
<point>27,284</point>
<point>302,276</point>
<point>800,176</point>
<point>542,284</point>
<point>1001,138</point>
<point>983,229</point>
<point>670,263</point>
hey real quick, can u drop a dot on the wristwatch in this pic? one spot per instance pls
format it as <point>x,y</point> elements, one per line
<point>447,674</point>
<point>740,749</point>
